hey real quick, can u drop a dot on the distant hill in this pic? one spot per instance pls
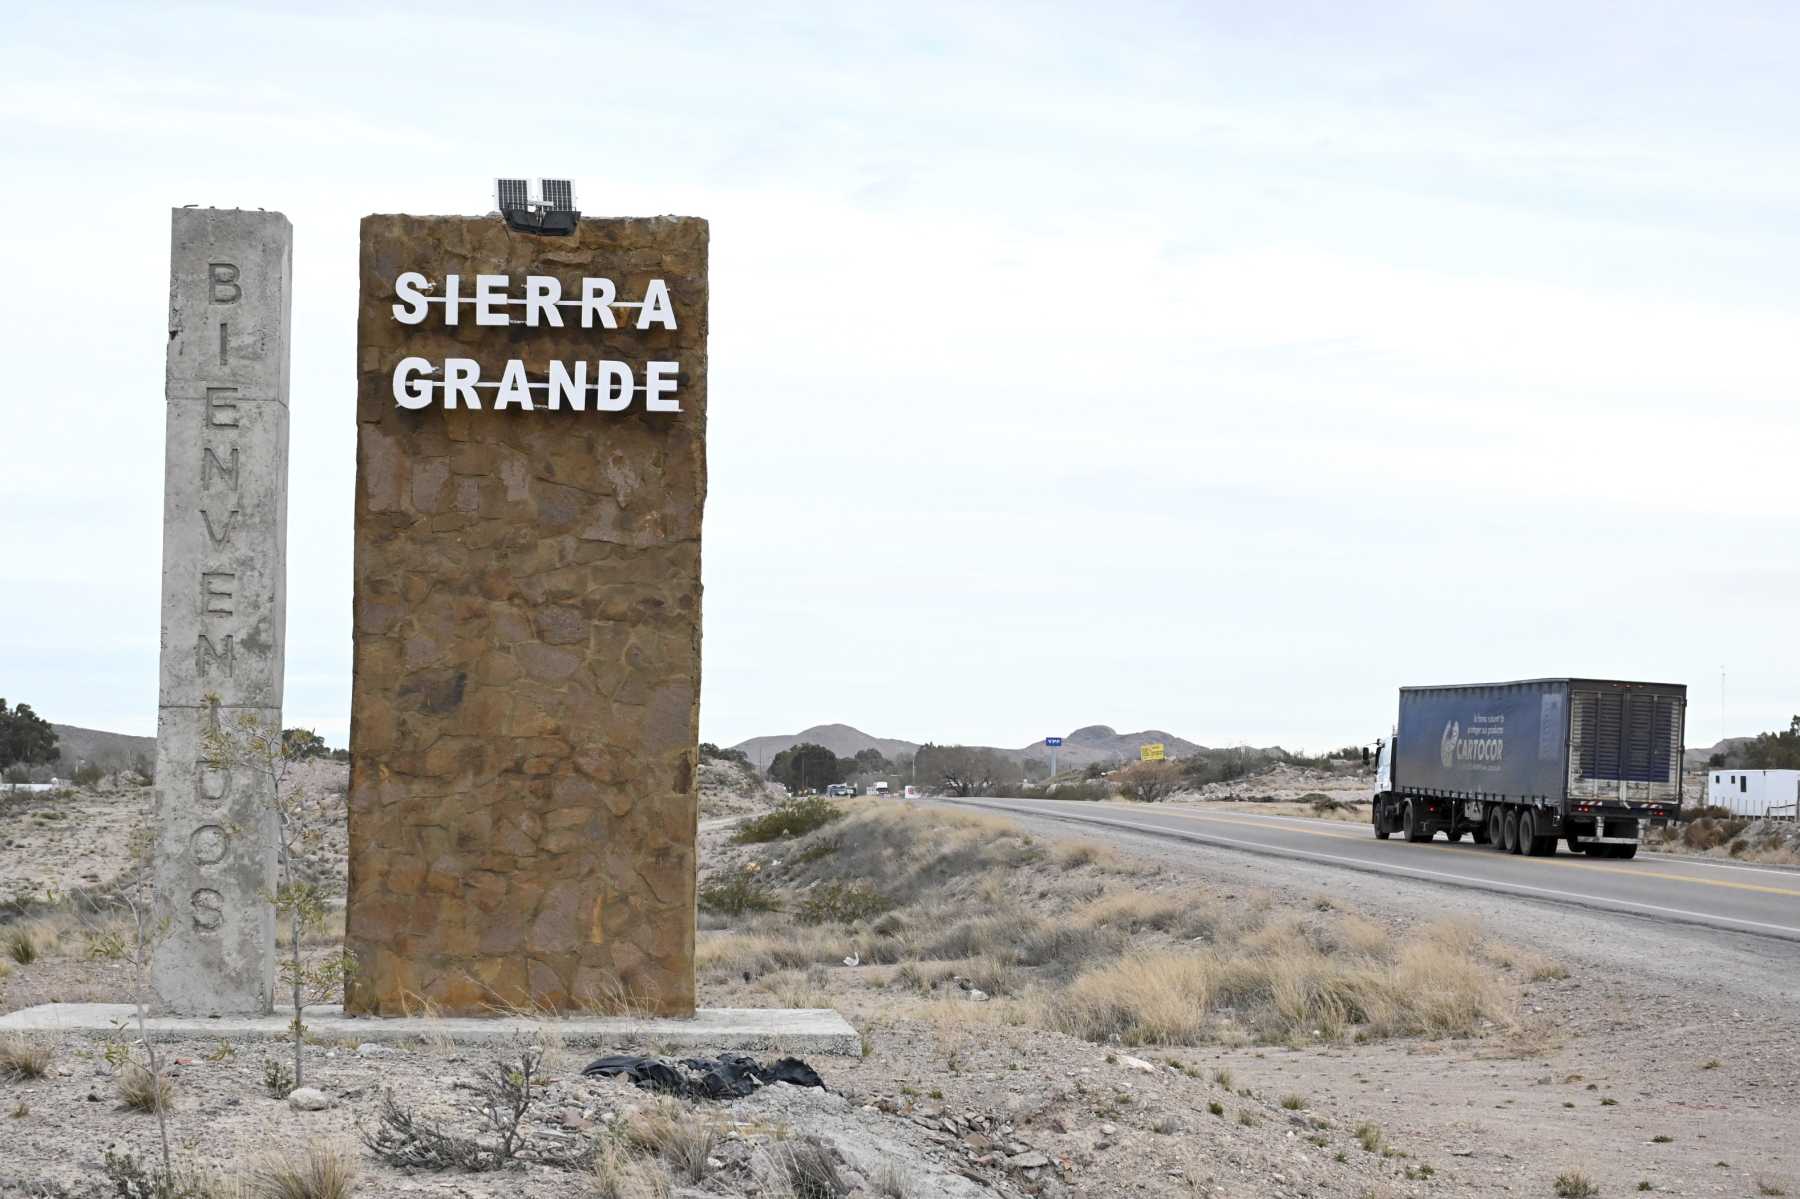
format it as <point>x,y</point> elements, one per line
<point>1093,743</point>
<point>109,751</point>
<point>840,739</point>
<point>1101,743</point>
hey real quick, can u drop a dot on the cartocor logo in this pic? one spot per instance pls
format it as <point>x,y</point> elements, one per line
<point>1447,747</point>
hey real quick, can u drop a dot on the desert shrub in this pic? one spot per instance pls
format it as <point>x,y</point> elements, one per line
<point>824,847</point>
<point>319,1170</point>
<point>88,775</point>
<point>1709,833</point>
<point>795,818</point>
<point>1135,911</point>
<point>623,1172</point>
<point>134,1178</point>
<point>741,891</point>
<point>891,1181</point>
<point>22,1058</point>
<point>841,903</point>
<point>506,1087</point>
<point>278,1078</point>
<point>21,946</point>
<point>983,935</point>
<point>1148,999</point>
<point>144,1091</point>
<point>1289,983</point>
<point>1150,782</point>
<point>684,1139</point>
<point>107,943</point>
<point>1573,1184</point>
<point>807,1168</point>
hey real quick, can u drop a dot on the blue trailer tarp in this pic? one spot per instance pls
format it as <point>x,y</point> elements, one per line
<point>1502,739</point>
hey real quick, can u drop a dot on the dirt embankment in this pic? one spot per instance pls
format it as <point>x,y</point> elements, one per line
<point>1764,842</point>
<point>1041,1015</point>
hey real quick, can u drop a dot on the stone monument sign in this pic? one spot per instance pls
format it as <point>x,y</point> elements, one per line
<point>531,470</point>
<point>224,587</point>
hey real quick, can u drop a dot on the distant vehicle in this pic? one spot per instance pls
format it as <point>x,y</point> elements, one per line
<point>881,787</point>
<point>840,789</point>
<point>911,793</point>
<point>1520,765</point>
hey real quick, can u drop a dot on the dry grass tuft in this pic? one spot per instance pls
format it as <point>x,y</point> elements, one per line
<point>1286,983</point>
<point>22,1058</point>
<point>142,1091</point>
<point>805,1169</point>
<point>319,1170</point>
<point>1148,999</point>
<point>1573,1184</point>
<point>621,1172</point>
<point>681,1136</point>
<point>891,1181</point>
<point>21,947</point>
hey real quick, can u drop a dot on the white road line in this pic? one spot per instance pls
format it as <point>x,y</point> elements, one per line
<point>1386,867</point>
<point>1662,859</point>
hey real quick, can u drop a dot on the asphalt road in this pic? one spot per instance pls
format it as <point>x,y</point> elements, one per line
<point>1750,899</point>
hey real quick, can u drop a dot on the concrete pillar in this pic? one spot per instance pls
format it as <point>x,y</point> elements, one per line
<point>224,587</point>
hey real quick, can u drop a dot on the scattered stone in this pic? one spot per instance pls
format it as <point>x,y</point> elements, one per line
<point>308,1099</point>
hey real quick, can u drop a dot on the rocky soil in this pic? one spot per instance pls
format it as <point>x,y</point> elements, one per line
<point>1634,1054</point>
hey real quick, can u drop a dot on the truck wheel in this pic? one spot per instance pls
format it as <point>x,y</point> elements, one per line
<point>1510,832</point>
<point>1381,822</point>
<point>1497,828</point>
<point>1412,823</point>
<point>1528,840</point>
<point>1625,851</point>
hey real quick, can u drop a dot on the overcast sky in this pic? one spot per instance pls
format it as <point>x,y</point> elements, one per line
<point>1218,367</point>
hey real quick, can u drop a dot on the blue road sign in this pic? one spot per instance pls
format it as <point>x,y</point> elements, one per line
<point>1053,742</point>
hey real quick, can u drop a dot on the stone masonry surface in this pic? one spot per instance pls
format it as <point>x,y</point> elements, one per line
<point>224,592</point>
<point>527,644</point>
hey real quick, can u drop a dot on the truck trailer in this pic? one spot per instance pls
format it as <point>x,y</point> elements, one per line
<point>1522,765</point>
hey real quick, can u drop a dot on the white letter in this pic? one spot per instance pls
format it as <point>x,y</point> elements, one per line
<point>541,294</point>
<point>452,301</point>
<point>408,391</point>
<point>656,306</point>
<point>407,288</point>
<point>513,387</point>
<point>562,387</point>
<point>656,385</point>
<point>614,389</point>
<point>460,376</point>
<point>490,293</point>
<point>596,300</point>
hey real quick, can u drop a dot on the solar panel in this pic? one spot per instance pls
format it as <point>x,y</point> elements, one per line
<point>559,194</point>
<point>511,194</point>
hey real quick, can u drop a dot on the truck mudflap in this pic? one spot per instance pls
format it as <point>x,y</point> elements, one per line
<point>1607,826</point>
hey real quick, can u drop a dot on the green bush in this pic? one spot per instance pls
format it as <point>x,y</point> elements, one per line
<point>740,893</point>
<point>88,775</point>
<point>842,903</point>
<point>795,818</point>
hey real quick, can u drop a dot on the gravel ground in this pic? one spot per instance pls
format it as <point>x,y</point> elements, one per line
<point>1659,1031</point>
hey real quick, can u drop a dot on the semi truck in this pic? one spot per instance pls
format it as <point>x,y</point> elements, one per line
<point>1520,766</point>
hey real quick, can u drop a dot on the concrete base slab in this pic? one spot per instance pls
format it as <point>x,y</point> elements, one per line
<point>797,1031</point>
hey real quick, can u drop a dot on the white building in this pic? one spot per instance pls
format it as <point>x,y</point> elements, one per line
<point>1753,792</point>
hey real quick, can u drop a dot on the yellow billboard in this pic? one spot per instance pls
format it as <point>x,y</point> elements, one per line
<point>1151,753</point>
